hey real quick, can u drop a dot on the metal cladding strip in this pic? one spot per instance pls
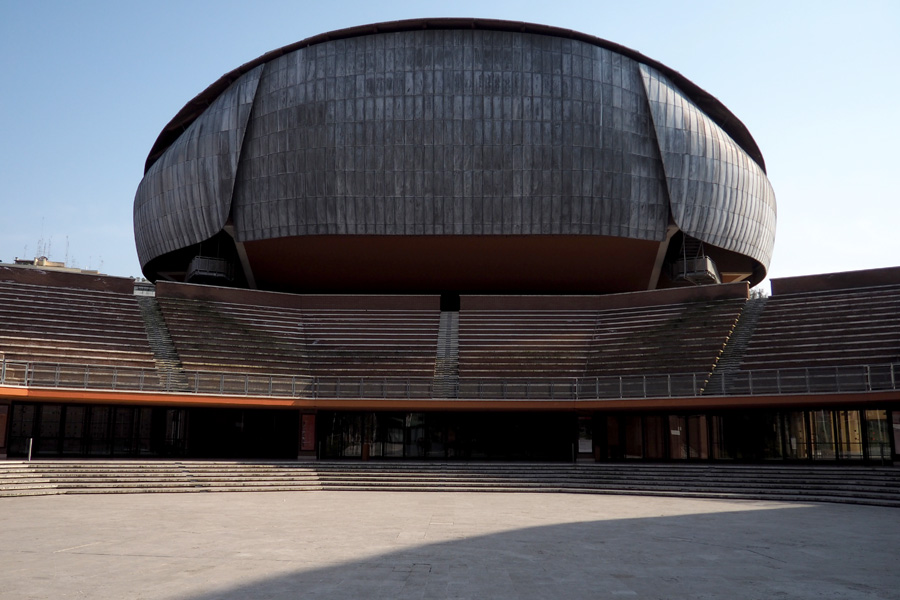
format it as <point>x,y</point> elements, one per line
<point>718,193</point>
<point>451,132</point>
<point>708,103</point>
<point>185,197</point>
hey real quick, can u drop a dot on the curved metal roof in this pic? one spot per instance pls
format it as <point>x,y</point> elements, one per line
<point>706,101</point>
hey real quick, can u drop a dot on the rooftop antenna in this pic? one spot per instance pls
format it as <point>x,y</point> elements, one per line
<point>40,243</point>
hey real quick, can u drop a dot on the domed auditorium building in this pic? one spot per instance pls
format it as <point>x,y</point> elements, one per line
<point>453,239</point>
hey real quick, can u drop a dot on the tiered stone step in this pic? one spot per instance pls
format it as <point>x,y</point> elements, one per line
<point>86,477</point>
<point>864,485</point>
<point>846,484</point>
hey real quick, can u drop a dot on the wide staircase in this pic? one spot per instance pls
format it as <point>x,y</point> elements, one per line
<point>868,485</point>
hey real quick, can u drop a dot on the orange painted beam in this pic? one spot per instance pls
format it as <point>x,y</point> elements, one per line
<point>77,396</point>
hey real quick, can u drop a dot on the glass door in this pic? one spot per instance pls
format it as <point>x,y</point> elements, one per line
<point>850,439</point>
<point>878,441</point>
<point>678,448</point>
<point>821,434</point>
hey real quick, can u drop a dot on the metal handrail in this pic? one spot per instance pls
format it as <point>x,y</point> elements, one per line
<point>786,381</point>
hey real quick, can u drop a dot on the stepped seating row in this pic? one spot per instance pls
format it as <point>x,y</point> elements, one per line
<point>524,344</point>
<point>72,326</point>
<point>827,329</point>
<point>817,331</point>
<point>211,336</point>
<point>677,338</point>
<point>687,338</point>
<point>809,483</point>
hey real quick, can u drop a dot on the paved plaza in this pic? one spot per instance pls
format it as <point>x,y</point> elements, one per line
<point>442,545</point>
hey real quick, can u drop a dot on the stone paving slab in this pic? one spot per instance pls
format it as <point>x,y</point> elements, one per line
<point>442,545</point>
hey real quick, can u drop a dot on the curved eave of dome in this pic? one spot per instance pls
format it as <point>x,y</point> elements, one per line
<point>706,101</point>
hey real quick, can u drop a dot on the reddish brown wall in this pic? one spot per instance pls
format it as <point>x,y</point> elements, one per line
<point>167,289</point>
<point>611,301</point>
<point>836,281</point>
<point>84,281</point>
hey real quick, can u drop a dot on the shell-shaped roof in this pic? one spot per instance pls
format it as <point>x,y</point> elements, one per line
<point>458,127</point>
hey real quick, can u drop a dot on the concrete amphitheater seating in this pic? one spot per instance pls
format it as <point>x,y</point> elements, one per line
<point>597,336</point>
<point>327,337</point>
<point>223,337</point>
<point>827,329</point>
<point>72,327</point>
<point>827,333</point>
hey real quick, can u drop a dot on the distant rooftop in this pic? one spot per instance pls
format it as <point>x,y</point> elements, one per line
<point>42,262</point>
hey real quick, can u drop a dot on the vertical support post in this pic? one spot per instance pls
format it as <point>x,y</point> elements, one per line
<point>30,441</point>
<point>669,383</point>
<point>750,381</point>
<point>3,371</point>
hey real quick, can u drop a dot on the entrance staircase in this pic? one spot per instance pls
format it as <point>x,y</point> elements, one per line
<point>844,484</point>
<point>446,364</point>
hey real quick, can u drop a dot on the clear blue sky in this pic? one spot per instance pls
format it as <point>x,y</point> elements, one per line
<point>87,86</point>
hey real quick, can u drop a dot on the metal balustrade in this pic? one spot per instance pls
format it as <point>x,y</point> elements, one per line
<point>855,378</point>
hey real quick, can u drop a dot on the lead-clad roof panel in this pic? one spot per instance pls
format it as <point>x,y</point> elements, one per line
<point>718,193</point>
<point>522,144</point>
<point>185,197</point>
<point>555,38</point>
